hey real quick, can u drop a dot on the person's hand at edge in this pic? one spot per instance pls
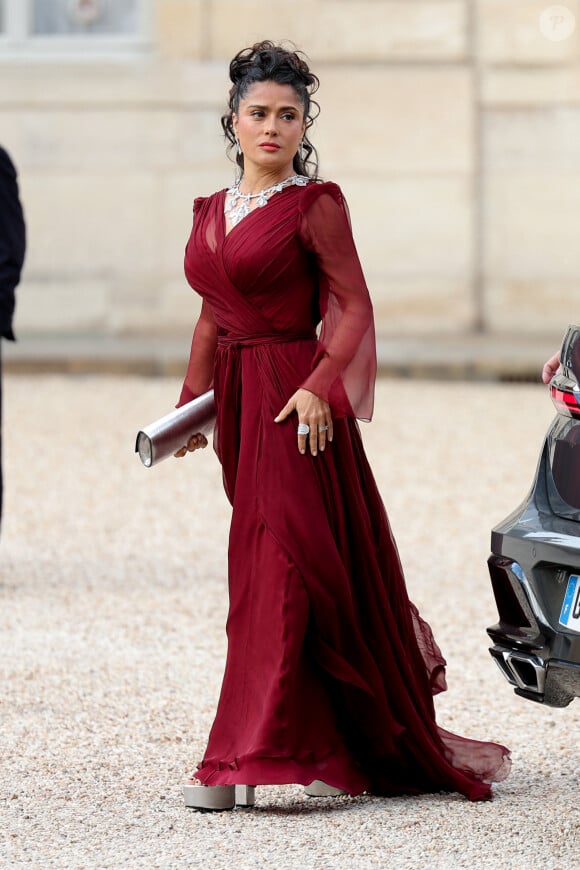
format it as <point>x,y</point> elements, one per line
<point>550,368</point>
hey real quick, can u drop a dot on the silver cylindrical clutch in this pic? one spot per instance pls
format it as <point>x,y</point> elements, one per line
<point>164,437</point>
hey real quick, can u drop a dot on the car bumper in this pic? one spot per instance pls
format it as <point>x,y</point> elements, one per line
<point>534,553</point>
<point>554,683</point>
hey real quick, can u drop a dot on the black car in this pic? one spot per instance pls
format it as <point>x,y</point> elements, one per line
<point>535,561</point>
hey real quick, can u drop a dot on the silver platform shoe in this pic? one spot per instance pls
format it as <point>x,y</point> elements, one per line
<point>218,797</point>
<point>317,788</point>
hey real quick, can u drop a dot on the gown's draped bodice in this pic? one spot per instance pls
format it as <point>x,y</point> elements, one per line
<point>330,670</point>
<point>285,269</point>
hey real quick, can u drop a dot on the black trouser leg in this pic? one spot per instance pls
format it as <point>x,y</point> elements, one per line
<point>1,481</point>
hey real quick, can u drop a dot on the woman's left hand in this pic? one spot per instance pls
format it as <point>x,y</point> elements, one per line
<point>313,412</point>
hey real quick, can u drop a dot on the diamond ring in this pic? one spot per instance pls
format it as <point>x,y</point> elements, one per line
<point>303,429</point>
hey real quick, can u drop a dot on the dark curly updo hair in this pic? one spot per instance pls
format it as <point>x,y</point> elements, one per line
<point>267,62</point>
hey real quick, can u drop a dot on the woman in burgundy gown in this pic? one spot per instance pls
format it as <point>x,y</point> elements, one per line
<point>330,671</point>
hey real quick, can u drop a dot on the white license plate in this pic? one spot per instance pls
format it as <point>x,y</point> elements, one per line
<point>570,615</point>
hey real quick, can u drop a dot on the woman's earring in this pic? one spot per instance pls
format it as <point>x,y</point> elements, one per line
<point>239,157</point>
<point>302,151</point>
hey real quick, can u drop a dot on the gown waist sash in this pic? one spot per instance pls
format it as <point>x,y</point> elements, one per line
<point>232,341</point>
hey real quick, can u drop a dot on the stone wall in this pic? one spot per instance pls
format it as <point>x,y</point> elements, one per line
<point>452,126</point>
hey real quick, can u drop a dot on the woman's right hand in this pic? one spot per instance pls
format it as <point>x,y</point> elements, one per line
<point>195,443</point>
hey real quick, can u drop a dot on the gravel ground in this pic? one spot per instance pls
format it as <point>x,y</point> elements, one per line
<point>113,599</point>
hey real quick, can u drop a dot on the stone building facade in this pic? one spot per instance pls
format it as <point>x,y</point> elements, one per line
<point>453,127</point>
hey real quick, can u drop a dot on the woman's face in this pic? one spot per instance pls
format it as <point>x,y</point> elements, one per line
<point>270,125</point>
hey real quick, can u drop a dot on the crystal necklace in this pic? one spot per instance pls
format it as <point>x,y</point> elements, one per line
<point>237,204</point>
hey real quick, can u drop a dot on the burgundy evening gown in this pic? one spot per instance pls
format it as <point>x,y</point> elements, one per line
<point>330,672</point>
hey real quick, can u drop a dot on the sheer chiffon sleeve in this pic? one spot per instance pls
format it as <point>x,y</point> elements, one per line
<point>199,375</point>
<point>344,368</point>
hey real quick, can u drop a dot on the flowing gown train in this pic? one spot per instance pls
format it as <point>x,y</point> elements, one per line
<point>330,672</point>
